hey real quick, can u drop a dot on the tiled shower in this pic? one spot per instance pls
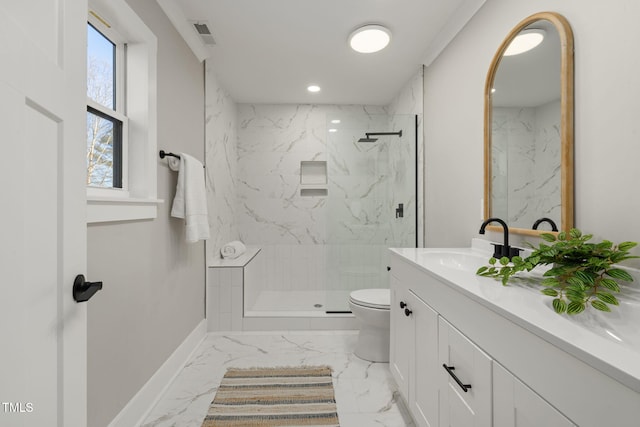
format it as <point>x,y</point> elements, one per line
<point>320,205</point>
<point>324,233</point>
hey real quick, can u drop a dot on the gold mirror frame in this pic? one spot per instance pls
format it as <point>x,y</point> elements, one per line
<point>566,119</point>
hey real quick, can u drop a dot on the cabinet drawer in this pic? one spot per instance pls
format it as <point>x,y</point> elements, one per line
<point>466,385</point>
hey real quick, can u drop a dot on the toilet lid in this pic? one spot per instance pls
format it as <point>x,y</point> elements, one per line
<point>374,298</point>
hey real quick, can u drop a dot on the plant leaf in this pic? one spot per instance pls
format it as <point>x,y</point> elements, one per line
<point>619,274</point>
<point>575,296</point>
<point>607,297</point>
<point>575,233</point>
<point>504,260</point>
<point>562,235</point>
<point>550,281</point>
<point>482,269</point>
<point>586,278</point>
<point>492,261</point>
<point>599,305</point>
<point>560,306</point>
<point>575,281</point>
<point>550,292</point>
<point>534,260</point>
<point>575,307</point>
<point>548,237</point>
<point>610,284</point>
<point>625,246</point>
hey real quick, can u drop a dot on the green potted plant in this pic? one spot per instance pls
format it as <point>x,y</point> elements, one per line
<point>582,273</point>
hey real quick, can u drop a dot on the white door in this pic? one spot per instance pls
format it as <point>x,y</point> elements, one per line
<point>42,214</point>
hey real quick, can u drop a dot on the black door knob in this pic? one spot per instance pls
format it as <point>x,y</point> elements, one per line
<point>402,304</point>
<point>407,312</point>
<point>388,268</point>
<point>83,290</point>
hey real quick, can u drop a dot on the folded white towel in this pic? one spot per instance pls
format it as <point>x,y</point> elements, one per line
<point>233,249</point>
<point>190,201</point>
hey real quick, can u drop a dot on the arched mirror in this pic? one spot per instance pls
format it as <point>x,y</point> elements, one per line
<point>528,149</point>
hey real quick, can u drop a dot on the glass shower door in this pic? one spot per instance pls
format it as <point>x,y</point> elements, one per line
<point>371,203</point>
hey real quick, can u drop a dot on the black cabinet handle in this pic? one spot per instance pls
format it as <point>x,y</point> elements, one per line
<point>407,312</point>
<point>403,304</point>
<point>83,290</point>
<point>450,369</point>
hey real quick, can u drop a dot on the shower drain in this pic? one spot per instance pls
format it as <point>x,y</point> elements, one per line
<point>317,305</point>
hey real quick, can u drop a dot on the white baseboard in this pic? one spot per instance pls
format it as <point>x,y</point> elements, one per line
<point>136,411</point>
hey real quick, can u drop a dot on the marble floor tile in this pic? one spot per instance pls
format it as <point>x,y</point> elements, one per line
<point>365,393</point>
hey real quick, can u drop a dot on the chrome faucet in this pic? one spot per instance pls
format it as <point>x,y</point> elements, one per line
<point>554,227</point>
<point>503,250</point>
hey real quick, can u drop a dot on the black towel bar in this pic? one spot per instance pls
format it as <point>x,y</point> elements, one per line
<point>164,154</point>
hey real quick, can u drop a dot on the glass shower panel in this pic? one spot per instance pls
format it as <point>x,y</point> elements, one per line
<point>371,203</point>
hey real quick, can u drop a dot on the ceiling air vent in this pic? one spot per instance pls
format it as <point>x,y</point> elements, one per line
<point>203,31</point>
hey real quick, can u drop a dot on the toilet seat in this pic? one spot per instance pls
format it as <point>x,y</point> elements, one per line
<point>371,298</point>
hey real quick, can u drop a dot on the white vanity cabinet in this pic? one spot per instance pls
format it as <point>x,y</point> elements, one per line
<point>518,377</point>
<point>516,405</point>
<point>413,354</point>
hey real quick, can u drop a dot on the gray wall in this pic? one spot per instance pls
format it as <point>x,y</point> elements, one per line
<point>607,96</point>
<point>153,294</point>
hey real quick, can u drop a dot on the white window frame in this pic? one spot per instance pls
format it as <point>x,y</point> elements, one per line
<point>120,111</point>
<point>136,99</point>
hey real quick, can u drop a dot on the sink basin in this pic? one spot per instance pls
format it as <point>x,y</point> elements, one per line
<point>456,260</point>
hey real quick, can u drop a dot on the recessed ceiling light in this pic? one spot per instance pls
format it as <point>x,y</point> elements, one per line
<point>525,41</point>
<point>335,121</point>
<point>313,88</point>
<point>369,38</point>
<point>333,130</point>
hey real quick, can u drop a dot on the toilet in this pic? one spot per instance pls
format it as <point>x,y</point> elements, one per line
<point>371,309</point>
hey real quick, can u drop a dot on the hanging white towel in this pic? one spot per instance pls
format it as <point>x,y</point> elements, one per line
<point>233,249</point>
<point>190,201</point>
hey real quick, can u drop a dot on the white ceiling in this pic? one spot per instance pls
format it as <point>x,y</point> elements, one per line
<point>269,51</point>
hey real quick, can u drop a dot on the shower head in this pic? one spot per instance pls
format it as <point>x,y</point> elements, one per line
<point>369,139</point>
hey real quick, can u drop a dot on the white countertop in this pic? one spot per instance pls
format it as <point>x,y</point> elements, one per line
<point>609,342</point>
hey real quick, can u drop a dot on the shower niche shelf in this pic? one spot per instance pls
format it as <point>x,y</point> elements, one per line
<point>314,192</point>
<point>313,172</point>
<point>313,178</point>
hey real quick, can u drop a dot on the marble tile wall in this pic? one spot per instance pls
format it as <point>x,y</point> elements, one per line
<point>221,164</point>
<point>526,164</point>
<point>410,101</point>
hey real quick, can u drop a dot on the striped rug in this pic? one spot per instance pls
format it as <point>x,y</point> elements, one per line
<point>301,396</point>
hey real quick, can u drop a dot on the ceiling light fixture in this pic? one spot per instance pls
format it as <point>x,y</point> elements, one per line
<point>525,41</point>
<point>313,88</point>
<point>369,38</point>
<point>335,121</point>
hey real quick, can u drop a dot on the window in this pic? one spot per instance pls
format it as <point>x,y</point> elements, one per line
<point>105,110</point>
<point>121,150</point>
